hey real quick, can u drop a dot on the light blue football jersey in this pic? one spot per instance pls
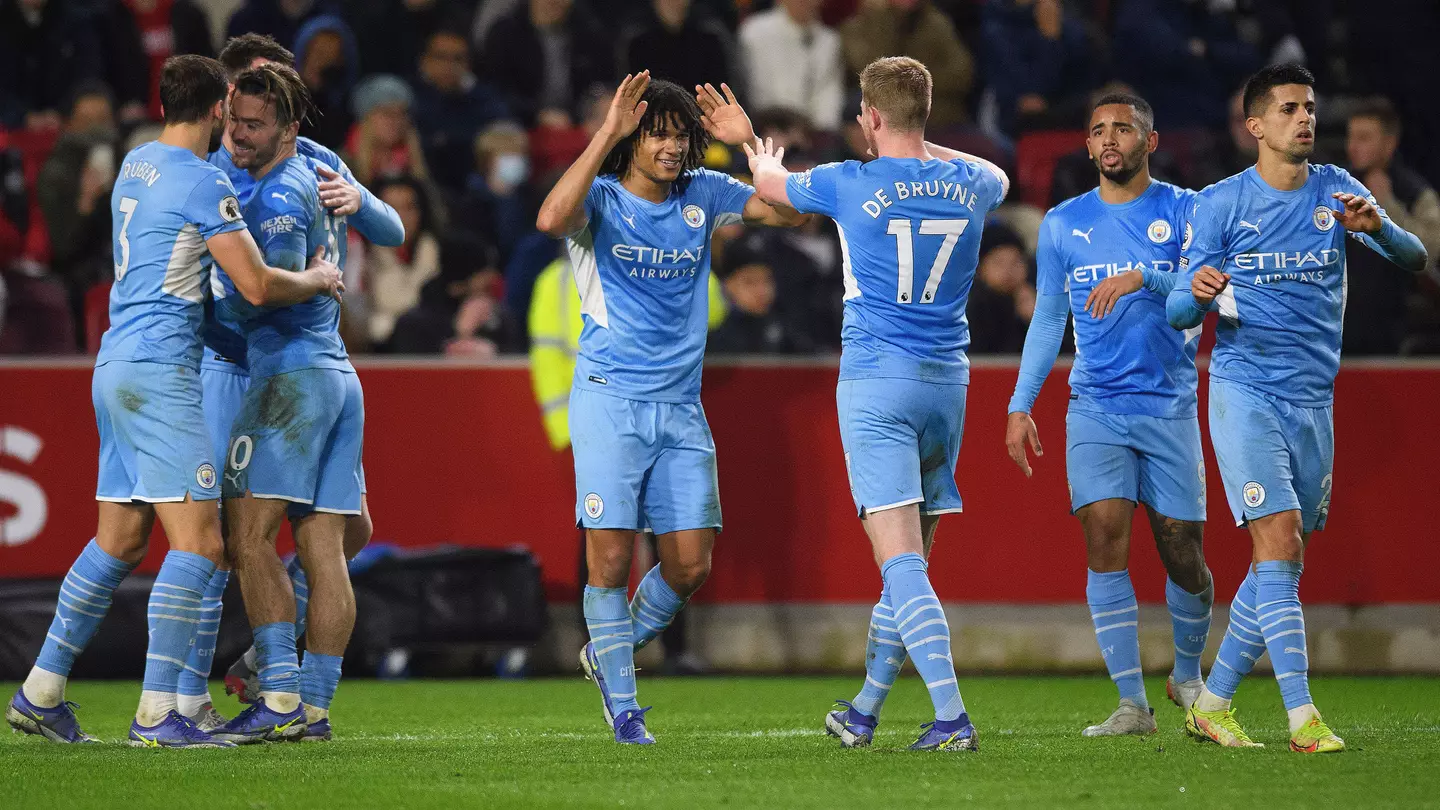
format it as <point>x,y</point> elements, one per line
<point>643,270</point>
<point>233,356</point>
<point>1130,361</point>
<point>1281,314</point>
<point>166,203</point>
<point>910,240</point>
<point>289,224</point>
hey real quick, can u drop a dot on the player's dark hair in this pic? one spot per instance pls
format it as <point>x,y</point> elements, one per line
<point>1144,114</point>
<point>87,88</point>
<point>1382,110</point>
<point>422,198</point>
<point>240,51</point>
<point>1258,87</point>
<point>669,104</point>
<point>190,87</point>
<point>279,85</point>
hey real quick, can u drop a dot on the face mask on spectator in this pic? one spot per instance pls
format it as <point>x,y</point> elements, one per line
<point>512,169</point>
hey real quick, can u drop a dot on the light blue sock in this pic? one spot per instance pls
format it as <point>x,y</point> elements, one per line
<point>607,615</point>
<point>1242,646</point>
<point>84,601</point>
<point>1116,617</point>
<point>277,663</point>
<point>1190,622</point>
<point>1282,622</point>
<point>319,677</point>
<point>653,607</point>
<point>176,604</point>
<point>202,655</point>
<point>302,593</point>
<point>884,656</point>
<point>922,626</point>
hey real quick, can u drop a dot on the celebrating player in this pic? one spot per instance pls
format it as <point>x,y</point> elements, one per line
<point>225,378</point>
<point>1132,434</point>
<point>1263,250</point>
<point>170,209</point>
<point>903,369</point>
<point>637,212</point>
<point>296,444</point>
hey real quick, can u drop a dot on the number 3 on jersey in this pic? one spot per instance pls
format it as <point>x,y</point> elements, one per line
<point>902,230</point>
<point>127,207</point>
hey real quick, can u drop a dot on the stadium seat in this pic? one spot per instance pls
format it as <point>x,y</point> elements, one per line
<point>1035,156</point>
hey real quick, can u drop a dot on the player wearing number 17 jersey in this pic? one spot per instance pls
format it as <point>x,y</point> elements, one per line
<point>1267,249</point>
<point>910,224</point>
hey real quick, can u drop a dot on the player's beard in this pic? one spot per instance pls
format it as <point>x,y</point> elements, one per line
<point>1299,152</point>
<point>217,134</point>
<point>1130,165</point>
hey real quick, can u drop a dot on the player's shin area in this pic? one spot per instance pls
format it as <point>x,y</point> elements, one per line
<point>252,524</point>
<point>684,558</point>
<point>319,540</point>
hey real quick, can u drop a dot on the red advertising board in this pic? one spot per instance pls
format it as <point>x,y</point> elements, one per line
<point>456,454</point>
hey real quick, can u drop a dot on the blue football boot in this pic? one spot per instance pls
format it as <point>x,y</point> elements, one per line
<point>590,663</point>
<point>57,724</point>
<point>318,731</point>
<point>175,731</point>
<point>260,723</point>
<point>630,728</point>
<point>854,728</point>
<point>956,735</point>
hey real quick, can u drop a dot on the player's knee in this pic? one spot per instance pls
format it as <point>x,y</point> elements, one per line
<point>609,565</point>
<point>1182,550</point>
<point>685,577</point>
<point>1278,537</point>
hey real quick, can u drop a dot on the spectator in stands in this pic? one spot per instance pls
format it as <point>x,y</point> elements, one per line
<point>167,28</point>
<point>281,19</point>
<point>544,57</point>
<point>677,42</point>
<point>1183,57</point>
<point>752,325</point>
<point>1235,152</point>
<point>497,202</point>
<point>329,62</point>
<point>1391,46</point>
<point>126,65</point>
<point>396,275</point>
<point>1377,291</point>
<point>451,108</point>
<point>460,312</point>
<point>46,49</point>
<point>74,193</point>
<point>1037,63</point>
<point>384,142</point>
<point>918,29</point>
<point>392,33</point>
<point>1003,299</point>
<point>792,61</point>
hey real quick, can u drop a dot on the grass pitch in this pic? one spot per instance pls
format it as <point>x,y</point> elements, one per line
<point>744,742</point>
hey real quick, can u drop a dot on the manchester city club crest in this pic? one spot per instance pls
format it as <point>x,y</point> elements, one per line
<point>594,506</point>
<point>1254,494</point>
<point>1159,231</point>
<point>205,476</point>
<point>694,216</point>
<point>1324,218</point>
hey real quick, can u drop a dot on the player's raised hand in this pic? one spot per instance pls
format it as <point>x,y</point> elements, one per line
<point>1020,429</point>
<point>764,153</point>
<point>327,274</point>
<point>1208,283</point>
<point>1104,295</point>
<point>342,198</point>
<point>626,108</point>
<point>1358,215</point>
<point>723,116</point>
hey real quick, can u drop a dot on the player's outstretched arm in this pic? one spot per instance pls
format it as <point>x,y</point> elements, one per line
<point>723,116</point>
<point>263,285</point>
<point>946,153</point>
<point>1360,216</point>
<point>770,177</point>
<point>371,216</point>
<point>1186,306</point>
<point>563,212</point>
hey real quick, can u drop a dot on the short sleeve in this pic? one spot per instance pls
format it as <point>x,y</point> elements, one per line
<point>213,206</point>
<point>725,195</point>
<point>282,225</point>
<point>991,189</point>
<point>1049,260</point>
<point>815,191</point>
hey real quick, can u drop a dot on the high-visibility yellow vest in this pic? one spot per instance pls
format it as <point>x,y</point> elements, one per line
<point>555,324</point>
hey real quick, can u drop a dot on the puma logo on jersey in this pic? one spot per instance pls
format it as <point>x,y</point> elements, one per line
<point>629,219</point>
<point>283,196</point>
<point>1255,226</point>
<point>1082,234</point>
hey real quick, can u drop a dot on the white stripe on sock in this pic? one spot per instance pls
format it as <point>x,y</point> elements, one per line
<point>181,619</point>
<point>1102,614</point>
<point>613,647</point>
<point>63,643</point>
<point>934,684</point>
<point>1177,617</point>
<point>882,686</point>
<point>886,641</point>
<point>931,597</point>
<point>597,625</point>
<point>1135,671</point>
<point>1299,632</point>
<point>1100,630</point>
<point>917,628</point>
<point>922,642</point>
<point>80,611</point>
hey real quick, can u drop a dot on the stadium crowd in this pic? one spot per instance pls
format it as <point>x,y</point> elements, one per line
<point>460,114</point>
